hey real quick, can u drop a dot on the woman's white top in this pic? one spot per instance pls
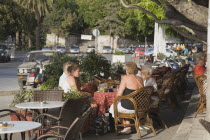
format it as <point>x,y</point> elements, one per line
<point>62,79</point>
<point>66,87</point>
<point>150,82</point>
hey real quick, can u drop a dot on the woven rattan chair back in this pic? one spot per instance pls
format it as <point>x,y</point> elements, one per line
<point>201,83</point>
<point>74,129</point>
<point>72,108</point>
<point>47,95</point>
<point>142,98</point>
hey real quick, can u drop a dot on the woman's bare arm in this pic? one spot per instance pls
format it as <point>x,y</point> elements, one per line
<point>72,82</point>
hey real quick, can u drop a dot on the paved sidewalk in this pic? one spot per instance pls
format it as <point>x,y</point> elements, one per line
<point>190,128</point>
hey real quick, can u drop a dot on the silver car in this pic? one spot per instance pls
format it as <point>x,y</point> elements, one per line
<point>62,49</point>
<point>74,49</point>
<point>30,65</point>
<point>122,49</point>
<point>90,49</point>
<point>169,52</point>
<point>46,48</point>
<point>107,49</point>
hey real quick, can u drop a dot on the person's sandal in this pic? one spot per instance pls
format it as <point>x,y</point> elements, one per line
<point>126,132</point>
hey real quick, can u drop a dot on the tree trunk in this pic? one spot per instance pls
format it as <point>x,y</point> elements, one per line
<point>17,39</point>
<point>57,39</point>
<point>29,40</point>
<point>181,14</point>
<point>196,13</point>
<point>23,39</point>
<point>38,37</point>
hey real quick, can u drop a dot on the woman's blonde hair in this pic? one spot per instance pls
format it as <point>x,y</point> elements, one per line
<point>131,68</point>
<point>66,65</point>
<point>72,67</point>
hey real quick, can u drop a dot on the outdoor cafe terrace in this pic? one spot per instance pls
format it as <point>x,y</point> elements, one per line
<point>81,118</point>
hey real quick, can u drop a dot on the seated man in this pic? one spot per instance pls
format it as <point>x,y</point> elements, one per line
<point>200,68</point>
<point>65,74</point>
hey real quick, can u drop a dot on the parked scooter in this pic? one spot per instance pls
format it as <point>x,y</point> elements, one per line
<point>191,67</point>
<point>35,76</point>
<point>168,62</point>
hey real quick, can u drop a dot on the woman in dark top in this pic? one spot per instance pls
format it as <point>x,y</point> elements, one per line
<point>129,83</point>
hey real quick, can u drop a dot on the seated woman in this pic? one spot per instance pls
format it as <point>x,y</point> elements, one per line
<point>129,83</point>
<point>146,73</point>
<point>70,82</point>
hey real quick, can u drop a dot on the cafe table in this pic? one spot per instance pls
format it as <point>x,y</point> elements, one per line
<point>40,105</point>
<point>104,100</point>
<point>18,126</point>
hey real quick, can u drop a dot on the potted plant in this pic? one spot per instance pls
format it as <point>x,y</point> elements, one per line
<point>93,65</point>
<point>117,70</point>
<point>161,56</point>
<point>118,56</point>
<point>21,96</point>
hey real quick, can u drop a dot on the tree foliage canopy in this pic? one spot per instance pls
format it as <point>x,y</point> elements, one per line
<point>13,17</point>
<point>188,18</point>
<point>132,19</point>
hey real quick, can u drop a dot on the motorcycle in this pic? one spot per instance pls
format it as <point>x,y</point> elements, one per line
<point>168,62</point>
<point>35,75</point>
<point>191,67</point>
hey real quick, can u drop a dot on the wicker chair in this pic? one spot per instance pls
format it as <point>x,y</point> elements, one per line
<point>200,81</point>
<point>141,100</point>
<point>72,132</point>
<point>71,109</point>
<point>205,124</point>
<point>47,95</point>
<point>7,112</point>
<point>167,92</point>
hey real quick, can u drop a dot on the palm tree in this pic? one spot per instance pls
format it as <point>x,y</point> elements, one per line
<point>40,8</point>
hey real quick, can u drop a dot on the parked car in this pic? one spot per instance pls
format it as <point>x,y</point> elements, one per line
<point>131,49</point>
<point>46,48</point>
<point>122,49</point>
<point>62,49</point>
<point>5,53</point>
<point>74,49</point>
<point>107,49</point>
<point>30,72</point>
<point>139,51</point>
<point>90,49</point>
<point>169,52</point>
<point>148,51</point>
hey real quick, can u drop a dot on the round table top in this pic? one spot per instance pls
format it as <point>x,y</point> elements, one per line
<point>39,105</point>
<point>19,126</point>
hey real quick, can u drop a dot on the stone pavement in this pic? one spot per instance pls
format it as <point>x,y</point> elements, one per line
<point>190,128</point>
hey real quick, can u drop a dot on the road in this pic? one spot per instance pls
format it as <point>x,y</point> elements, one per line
<point>8,76</point>
<point>8,71</point>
